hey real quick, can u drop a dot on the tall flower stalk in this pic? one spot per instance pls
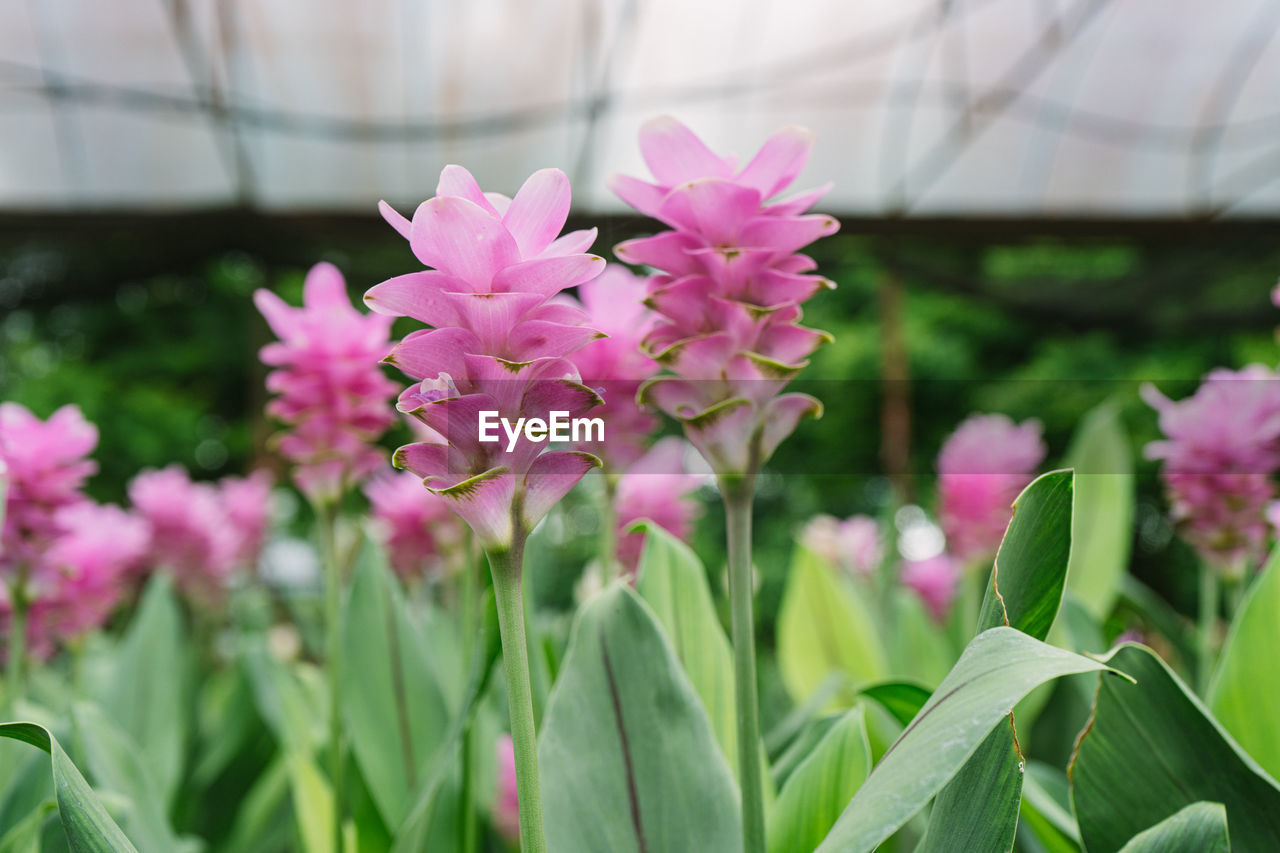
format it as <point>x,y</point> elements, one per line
<point>333,397</point>
<point>498,343</point>
<point>729,291</point>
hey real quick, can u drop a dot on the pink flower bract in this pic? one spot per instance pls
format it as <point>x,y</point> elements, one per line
<point>935,580</point>
<point>853,544</point>
<point>656,487</point>
<point>419,528</point>
<point>982,468</point>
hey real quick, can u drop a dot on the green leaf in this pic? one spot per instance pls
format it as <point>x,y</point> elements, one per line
<point>902,699</point>
<point>920,650</point>
<point>1102,528</point>
<point>148,695</point>
<point>1198,828</point>
<point>24,836</point>
<point>628,759</point>
<point>997,669</point>
<point>394,710</point>
<point>1046,808</point>
<point>116,763</point>
<point>1245,693</point>
<point>978,809</point>
<point>88,827</point>
<point>1153,748</point>
<point>818,789</point>
<point>823,628</point>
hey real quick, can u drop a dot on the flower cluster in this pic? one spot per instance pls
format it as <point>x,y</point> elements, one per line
<point>730,288</point>
<point>332,394</point>
<point>48,463</point>
<point>498,343</point>
<point>420,531</point>
<point>982,468</point>
<point>1221,448</point>
<point>853,544</point>
<point>200,532</point>
<point>658,488</point>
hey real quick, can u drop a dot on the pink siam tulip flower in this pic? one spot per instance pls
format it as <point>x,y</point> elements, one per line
<point>935,580</point>
<point>247,504</point>
<point>853,544</point>
<point>506,802</point>
<point>331,393</point>
<point>191,534</point>
<point>656,487</point>
<point>730,291</point>
<point>982,468</point>
<point>47,464</point>
<point>498,343</point>
<point>1221,449</point>
<point>420,530</point>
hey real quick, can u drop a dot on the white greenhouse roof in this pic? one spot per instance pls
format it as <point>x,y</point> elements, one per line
<point>1164,108</point>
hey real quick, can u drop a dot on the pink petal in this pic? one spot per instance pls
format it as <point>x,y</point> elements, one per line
<point>549,275</point>
<point>787,234</point>
<point>541,339</point>
<point>420,295</point>
<point>790,344</point>
<point>550,478</point>
<point>573,243</point>
<point>558,395</point>
<point>644,197</point>
<point>778,162</point>
<point>459,238</point>
<point>781,417</point>
<point>677,397</point>
<point>278,313</point>
<point>484,502</point>
<point>668,251</point>
<point>703,357</point>
<point>773,287</point>
<point>538,211</point>
<point>395,220</point>
<point>685,300</point>
<point>492,316</point>
<point>427,353</point>
<point>499,202</point>
<point>458,182</point>
<point>675,154</point>
<point>722,434</point>
<point>716,209</point>
<point>794,205</point>
<point>560,312</point>
<point>425,460</point>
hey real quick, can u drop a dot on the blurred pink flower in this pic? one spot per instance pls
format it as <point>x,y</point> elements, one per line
<point>853,544</point>
<point>499,344</point>
<point>47,464</point>
<point>191,534</point>
<point>247,503</point>
<point>506,802</point>
<point>731,287</point>
<point>659,488</point>
<point>616,366</point>
<point>419,528</point>
<point>80,577</point>
<point>982,468</point>
<point>332,394</point>
<point>1221,448</point>
<point>935,580</point>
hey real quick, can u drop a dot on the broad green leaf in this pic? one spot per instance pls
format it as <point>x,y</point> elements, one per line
<point>801,747</point>
<point>1198,828</point>
<point>1102,527</point>
<point>1151,749</point>
<point>115,761</point>
<point>1245,694</point>
<point>88,827</point>
<point>818,790</point>
<point>628,759</point>
<point>1045,814</point>
<point>264,822</point>
<point>823,628</point>
<point>997,669</point>
<point>148,696</point>
<point>428,821</point>
<point>902,699</point>
<point>394,710</point>
<point>978,809</point>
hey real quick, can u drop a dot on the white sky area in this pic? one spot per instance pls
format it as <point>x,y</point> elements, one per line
<point>1117,108</point>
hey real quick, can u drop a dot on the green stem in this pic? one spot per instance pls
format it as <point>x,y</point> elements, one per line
<point>507,567</point>
<point>467,815</point>
<point>738,497</point>
<point>1208,619</point>
<point>609,566</point>
<point>472,628</point>
<point>328,520</point>
<point>17,642</point>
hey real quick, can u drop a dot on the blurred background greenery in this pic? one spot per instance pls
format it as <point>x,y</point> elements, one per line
<point>147,323</point>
